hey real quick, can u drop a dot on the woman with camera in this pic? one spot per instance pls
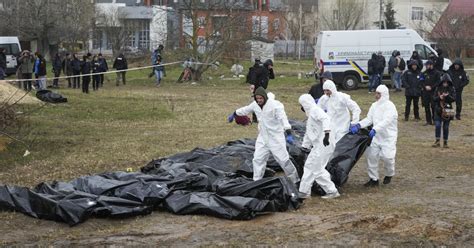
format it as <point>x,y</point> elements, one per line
<point>444,96</point>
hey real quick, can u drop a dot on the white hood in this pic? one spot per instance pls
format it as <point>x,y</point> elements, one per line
<point>383,90</point>
<point>329,85</point>
<point>307,102</point>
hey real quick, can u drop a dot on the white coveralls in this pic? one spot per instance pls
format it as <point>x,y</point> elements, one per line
<point>383,116</point>
<point>272,123</point>
<point>315,166</point>
<point>338,106</point>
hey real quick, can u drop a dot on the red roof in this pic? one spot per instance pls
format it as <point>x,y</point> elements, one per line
<point>457,10</point>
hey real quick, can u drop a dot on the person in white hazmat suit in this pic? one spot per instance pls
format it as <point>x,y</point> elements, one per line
<point>383,116</point>
<point>318,129</point>
<point>338,105</point>
<point>272,126</point>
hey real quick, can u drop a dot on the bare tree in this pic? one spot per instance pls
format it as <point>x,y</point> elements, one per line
<point>46,21</point>
<point>212,29</point>
<point>451,31</point>
<point>343,15</point>
<point>112,22</point>
<point>300,20</point>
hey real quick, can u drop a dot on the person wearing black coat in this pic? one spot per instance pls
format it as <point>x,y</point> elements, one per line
<point>416,56</point>
<point>120,63</point>
<point>3,63</point>
<point>67,69</point>
<point>439,60</point>
<point>380,67</point>
<point>76,71</point>
<point>431,78</point>
<point>372,71</point>
<point>258,76</point>
<point>96,68</point>
<point>460,80</point>
<point>86,68</point>
<point>316,90</point>
<point>411,81</point>
<point>444,96</point>
<point>57,66</point>
<point>103,68</point>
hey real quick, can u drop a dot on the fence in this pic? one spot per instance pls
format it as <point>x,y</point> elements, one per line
<point>289,49</point>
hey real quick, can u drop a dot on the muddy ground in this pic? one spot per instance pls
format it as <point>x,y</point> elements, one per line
<point>430,201</point>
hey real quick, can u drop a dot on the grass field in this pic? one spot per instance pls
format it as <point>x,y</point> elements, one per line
<point>430,201</point>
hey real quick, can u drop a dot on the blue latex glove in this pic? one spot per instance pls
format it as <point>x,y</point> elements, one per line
<point>290,139</point>
<point>231,117</point>
<point>372,133</point>
<point>316,100</point>
<point>354,128</point>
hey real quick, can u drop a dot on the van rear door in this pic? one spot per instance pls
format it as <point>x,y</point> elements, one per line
<point>11,50</point>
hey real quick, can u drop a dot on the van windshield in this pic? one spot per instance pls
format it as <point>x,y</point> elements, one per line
<point>10,49</point>
<point>423,51</point>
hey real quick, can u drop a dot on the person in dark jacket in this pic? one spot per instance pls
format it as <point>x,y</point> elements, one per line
<point>67,69</point>
<point>411,81</point>
<point>120,63</point>
<point>57,65</point>
<point>86,67</point>
<point>316,90</point>
<point>270,74</point>
<point>76,71</point>
<point>415,56</point>
<point>40,71</point>
<point>102,68</point>
<point>96,68</point>
<point>257,76</point>
<point>3,63</point>
<point>444,96</point>
<point>460,80</point>
<point>373,72</point>
<point>381,64</point>
<point>439,60</point>
<point>26,62</point>
<point>431,78</point>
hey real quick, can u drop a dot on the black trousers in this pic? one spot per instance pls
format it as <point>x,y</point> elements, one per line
<point>95,82</point>
<point>409,100</point>
<point>428,103</point>
<point>56,81</point>
<point>458,102</point>
<point>27,83</point>
<point>85,84</point>
<point>101,80</point>
<point>76,81</point>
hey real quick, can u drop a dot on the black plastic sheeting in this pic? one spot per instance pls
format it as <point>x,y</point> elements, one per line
<point>49,96</point>
<point>214,182</point>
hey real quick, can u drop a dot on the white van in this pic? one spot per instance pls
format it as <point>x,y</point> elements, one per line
<point>346,53</point>
<point>11,44</point>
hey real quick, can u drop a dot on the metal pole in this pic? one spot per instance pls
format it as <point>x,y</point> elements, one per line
<point>381,13</point>
<point>301,27</point>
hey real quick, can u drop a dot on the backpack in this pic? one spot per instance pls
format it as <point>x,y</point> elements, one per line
<point>402,65</point>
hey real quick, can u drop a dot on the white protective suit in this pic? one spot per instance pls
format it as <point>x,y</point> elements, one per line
<point>272,123</point>
<point>384,117</point>
<point>315,166</point>
<point>338,106</point>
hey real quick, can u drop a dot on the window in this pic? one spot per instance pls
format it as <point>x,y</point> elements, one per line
<point>430,15</point>
<point>417,13</point>
<point>276,24</point>
<point>335,14</point>
<point>139,33</point>
<point>423,51</point>
<point>201,21</point>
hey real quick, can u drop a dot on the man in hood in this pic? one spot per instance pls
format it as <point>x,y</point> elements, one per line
<point>460,80</point>
<point>411,81</point>
<point>318,139</point>
<point>444,96</point>
<point>338,105</point>
<point>272,126</point>
<point>316,90</point>
<point>415,56</point>
<point>383,116</point>
<point>439,60</point>
<point>431,78</point>
<point>372,71</point>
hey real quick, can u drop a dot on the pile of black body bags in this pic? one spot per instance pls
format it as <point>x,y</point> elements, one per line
<point>216,182</point>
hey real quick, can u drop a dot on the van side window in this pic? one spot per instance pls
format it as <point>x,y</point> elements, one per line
<point>422,50</point>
